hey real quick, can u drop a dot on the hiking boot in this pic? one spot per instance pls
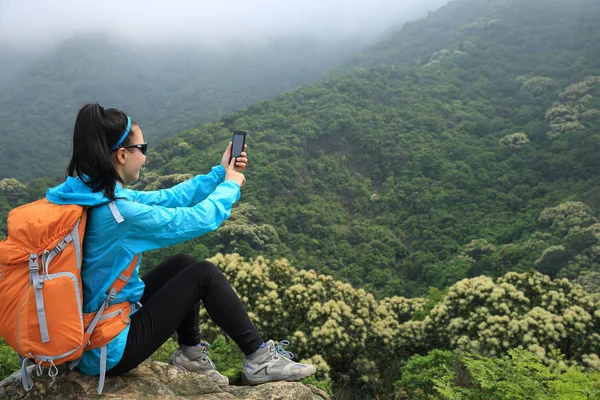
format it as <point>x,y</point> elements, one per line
<point>273,363</point>
<point>195,359</point>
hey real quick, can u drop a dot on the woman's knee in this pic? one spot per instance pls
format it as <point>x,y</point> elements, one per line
<point>206,271</point>
<point>210,268</point>
<point>183,259</point>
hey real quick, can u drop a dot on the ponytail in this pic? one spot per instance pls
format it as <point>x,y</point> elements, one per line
<point>96,132</point>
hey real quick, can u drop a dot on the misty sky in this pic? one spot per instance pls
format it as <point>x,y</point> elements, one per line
<point>38,23</point>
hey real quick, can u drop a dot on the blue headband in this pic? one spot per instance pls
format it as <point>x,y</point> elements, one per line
<point>116,146</point>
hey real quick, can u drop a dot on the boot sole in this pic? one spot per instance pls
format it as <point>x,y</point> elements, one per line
<point>221,385</point>
<point>267,379</point>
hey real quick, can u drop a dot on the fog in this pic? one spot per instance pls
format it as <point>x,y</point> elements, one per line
<point>36,24</point>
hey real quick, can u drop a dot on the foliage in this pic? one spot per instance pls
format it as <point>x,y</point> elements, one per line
<point>568,113</point>
<point>538,85</point>
<point>164,352</point>
<point>517,375</point>
<point>528,310</point>
<point>9,360</point>
<point>382,176</point>
<point>514,141</point>
<point>421,372</point>
<point>360,339</point>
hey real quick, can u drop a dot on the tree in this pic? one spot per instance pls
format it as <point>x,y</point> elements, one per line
<point>13,190</point>
<point>566,216</point>
<point>514,141</point>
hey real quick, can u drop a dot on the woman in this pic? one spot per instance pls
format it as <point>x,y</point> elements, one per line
<point>109,151</point>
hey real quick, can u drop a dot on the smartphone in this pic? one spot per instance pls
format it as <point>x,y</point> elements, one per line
<point>237,144</point>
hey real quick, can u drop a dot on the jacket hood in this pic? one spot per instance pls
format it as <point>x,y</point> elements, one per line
<point>75,191</point>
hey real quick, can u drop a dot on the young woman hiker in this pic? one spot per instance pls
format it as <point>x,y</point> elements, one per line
<point>108,151</point>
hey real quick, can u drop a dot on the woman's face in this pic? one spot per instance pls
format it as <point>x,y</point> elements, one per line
<point>129,162</point>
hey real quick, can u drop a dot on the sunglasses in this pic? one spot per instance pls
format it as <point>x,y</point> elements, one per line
<point>143,147</point>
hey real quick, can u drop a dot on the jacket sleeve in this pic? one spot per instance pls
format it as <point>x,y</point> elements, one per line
<point>147,227</point>
<point>184,194</point>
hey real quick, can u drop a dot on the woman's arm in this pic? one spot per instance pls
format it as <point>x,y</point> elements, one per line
<point>153,227</point>
<point>184,194</point>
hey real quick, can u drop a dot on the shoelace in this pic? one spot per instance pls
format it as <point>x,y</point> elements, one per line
<point>281,351</point>
<point>204,354</point>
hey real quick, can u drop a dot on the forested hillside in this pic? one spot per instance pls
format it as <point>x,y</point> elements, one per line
<point>383,176</point>
<point>165,89</point>
<point>454,164</point>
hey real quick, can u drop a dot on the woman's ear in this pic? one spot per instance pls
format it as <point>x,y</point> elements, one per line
<point>121,156</point>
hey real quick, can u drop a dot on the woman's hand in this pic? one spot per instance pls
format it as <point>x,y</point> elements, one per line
<point>232,174</point>
<point>240,162</point>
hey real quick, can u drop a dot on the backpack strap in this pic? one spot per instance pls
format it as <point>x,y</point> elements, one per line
<point>111,294</point>
<point>118,284</point>
<point>116,287</point>
<point>25,376</point>
<point>115,212</point>
<point>102,369</point>
<point>38,284</point>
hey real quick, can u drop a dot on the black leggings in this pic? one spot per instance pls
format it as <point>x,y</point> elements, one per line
<point>171,302</point>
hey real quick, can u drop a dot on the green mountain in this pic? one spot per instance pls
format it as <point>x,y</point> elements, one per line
<point>399,177</point>
<point>499,28</point>
<point>166,89</point>
<point>385,175</point>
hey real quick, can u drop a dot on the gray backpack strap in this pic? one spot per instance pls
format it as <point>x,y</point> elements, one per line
<point>102,368</point>
<point>25,376</point>
<point>38,283</point>
<point>115,212</point>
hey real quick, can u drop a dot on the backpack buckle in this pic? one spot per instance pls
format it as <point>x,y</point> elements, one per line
<point>33,262</point>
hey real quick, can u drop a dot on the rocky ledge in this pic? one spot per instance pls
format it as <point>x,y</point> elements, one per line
<point>152,380</point>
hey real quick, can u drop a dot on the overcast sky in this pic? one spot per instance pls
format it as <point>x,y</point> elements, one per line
<point>35,23</point>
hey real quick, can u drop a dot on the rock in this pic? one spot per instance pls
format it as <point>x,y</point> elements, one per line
<point>151,380</point>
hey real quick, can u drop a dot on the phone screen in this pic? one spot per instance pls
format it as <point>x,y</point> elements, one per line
<point>239,137</point>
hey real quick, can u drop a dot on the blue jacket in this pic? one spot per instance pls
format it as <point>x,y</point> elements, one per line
<point>152,220</point>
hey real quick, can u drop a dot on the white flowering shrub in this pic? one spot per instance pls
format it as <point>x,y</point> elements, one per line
<point>477,248</point>
<point>568,215</point>
<point>568,113</point>
<point>319,315</point>
<point>352,336</point>
<point>580,90</point>
<point>529,310</point>
<point>514,141</point>
<point>13,189</point>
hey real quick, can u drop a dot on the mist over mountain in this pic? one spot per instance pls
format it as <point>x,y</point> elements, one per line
<point>169,76</point>
<point>34,24</point>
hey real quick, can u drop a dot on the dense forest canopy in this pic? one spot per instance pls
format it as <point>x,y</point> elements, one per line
<point>384,175</point>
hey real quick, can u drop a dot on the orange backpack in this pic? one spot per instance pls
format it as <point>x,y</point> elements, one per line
<point>40,290</point>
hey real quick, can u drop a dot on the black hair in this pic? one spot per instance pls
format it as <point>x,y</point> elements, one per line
<point>96,131</point>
